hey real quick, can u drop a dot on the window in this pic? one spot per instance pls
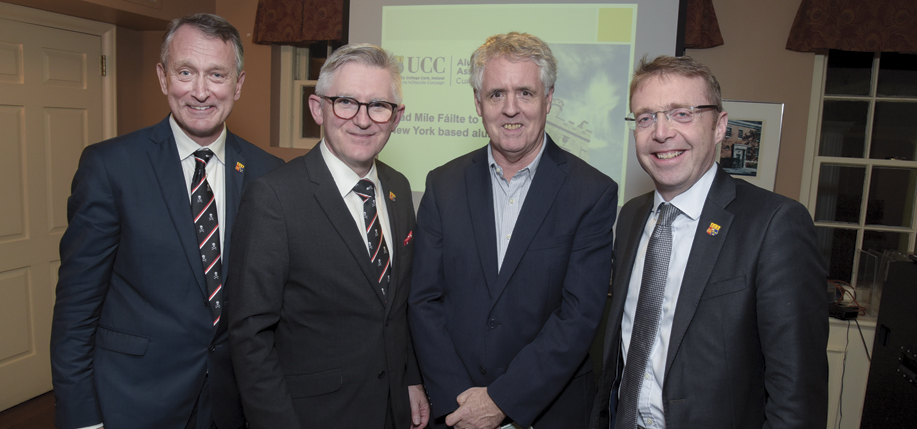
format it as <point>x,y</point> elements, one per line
<point>298,74</point>
<point>861,178</point>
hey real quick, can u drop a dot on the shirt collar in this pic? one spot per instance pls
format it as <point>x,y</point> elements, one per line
<point>532,165</point>
<point>344,177</point>
<point>691,202</point>
<point>186,146</point>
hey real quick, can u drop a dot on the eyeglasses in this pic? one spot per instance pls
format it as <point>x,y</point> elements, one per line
<point>346,108</point>
<point>681,115</point>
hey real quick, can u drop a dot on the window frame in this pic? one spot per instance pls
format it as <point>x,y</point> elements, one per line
<point>808,194</point>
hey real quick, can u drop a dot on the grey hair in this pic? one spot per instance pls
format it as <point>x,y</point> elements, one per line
<point>361,53</point>
<point>515,47</point>
<point>212,26</point>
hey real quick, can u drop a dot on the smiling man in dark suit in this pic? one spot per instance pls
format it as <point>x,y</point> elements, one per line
<point>318,325</point>
<point>729,326</point>
<point>137,339</point>
<point>513,258</point>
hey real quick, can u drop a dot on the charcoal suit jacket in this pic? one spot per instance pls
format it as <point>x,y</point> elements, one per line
<point>315,342</point>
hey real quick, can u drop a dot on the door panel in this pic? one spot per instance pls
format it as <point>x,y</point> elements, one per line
<point>50,109</point>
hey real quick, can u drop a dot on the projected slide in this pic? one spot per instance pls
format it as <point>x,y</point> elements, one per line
<point>594,46</point>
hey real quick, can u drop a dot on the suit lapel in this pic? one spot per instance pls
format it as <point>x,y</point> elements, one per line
<point>481,206</point>
<point>233,180</point>
<point>704,253</point>
<point>163,155</point>
<point>538,201</point>
<point>329,199</point>
<point>396,216</point>
<point>624,267</point>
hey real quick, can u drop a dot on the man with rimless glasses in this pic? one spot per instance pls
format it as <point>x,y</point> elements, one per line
<point>318,323</point>
<point>717,317</point>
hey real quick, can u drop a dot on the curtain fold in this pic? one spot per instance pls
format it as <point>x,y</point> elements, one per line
<point>855,25</point>
<point>298,22</point>
<point>701,27</point>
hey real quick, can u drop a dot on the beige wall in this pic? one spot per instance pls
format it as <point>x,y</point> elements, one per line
<point>753,64</point>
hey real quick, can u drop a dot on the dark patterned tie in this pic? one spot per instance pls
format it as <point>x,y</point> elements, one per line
<point>646,318</point>
<point>378,251</point>
<point>207,226</point>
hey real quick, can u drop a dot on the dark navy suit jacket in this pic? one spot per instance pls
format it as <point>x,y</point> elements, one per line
<point>523,332</point>
<point>132,337</point>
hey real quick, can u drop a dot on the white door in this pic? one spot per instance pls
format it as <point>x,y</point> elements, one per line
<point>50,109</point>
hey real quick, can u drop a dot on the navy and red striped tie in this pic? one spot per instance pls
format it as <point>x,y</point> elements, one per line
<point>207,227</point>
<point>378,251</point>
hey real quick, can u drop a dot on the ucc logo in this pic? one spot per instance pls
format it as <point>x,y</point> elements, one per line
<point>426,65</point>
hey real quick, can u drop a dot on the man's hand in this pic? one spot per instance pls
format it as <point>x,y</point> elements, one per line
<point>420,406</point>
<point>476,411</point>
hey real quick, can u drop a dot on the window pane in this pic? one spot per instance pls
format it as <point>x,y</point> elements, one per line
<point>894,135</point>
<point>309,128</point>
<point>891,197</point>
<point>840,192</point>
<point>881,241</point>
<point>838,246</point>
<point>897,75</point>
<point>848,73</point>
<point>843,128</point>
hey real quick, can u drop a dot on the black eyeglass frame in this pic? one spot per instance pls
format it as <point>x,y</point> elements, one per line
<point>334,100</point>
<point>632,119</point>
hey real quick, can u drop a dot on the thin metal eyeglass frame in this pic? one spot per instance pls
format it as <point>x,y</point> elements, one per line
<point>360,105</point>
<point>632,120</point>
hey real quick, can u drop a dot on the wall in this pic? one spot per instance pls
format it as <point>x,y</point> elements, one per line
<point>753,64</point>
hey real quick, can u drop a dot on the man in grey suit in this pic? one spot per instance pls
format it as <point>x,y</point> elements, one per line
<point>318,324</point>
<point>738,336</point>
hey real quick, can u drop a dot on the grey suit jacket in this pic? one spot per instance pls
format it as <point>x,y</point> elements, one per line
<point>747,348</point>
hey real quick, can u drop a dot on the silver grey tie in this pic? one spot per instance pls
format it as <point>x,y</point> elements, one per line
<point>646,318</point>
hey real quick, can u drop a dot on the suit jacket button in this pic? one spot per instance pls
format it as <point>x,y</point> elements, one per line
<point>212,348</point>
<point>381,375</point>
<point>483,370</point>
<point>492,323</point>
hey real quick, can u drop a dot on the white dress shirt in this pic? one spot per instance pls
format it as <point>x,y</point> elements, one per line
<point>216,169</point>
<point>650,410</point>
<point>346,179</point>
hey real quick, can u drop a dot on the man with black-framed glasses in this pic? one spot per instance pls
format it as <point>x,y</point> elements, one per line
<point>717,318</point>
<point>318,320</point>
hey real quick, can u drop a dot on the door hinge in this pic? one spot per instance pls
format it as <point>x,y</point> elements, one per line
<point>103,65</point>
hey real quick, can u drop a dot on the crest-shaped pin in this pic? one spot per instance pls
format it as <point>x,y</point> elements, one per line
<point>239,167</point>
<point>391,196</point>
<point>713,229</point>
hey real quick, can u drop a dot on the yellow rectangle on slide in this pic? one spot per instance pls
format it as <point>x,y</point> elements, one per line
<point>559,23</point>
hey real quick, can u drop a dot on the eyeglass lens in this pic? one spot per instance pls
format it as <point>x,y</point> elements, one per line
<point>347,108</point>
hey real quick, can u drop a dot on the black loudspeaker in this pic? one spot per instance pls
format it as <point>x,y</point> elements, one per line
<point>891,390</point>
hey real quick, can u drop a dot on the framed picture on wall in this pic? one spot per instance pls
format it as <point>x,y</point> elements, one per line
<point>749,150</point>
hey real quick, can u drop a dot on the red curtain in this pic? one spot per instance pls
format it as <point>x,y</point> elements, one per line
<point>701,27</point>
<point>855,25</point>
<point>298,22</point>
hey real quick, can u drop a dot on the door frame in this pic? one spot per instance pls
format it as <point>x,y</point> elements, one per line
<point>108,34</point>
